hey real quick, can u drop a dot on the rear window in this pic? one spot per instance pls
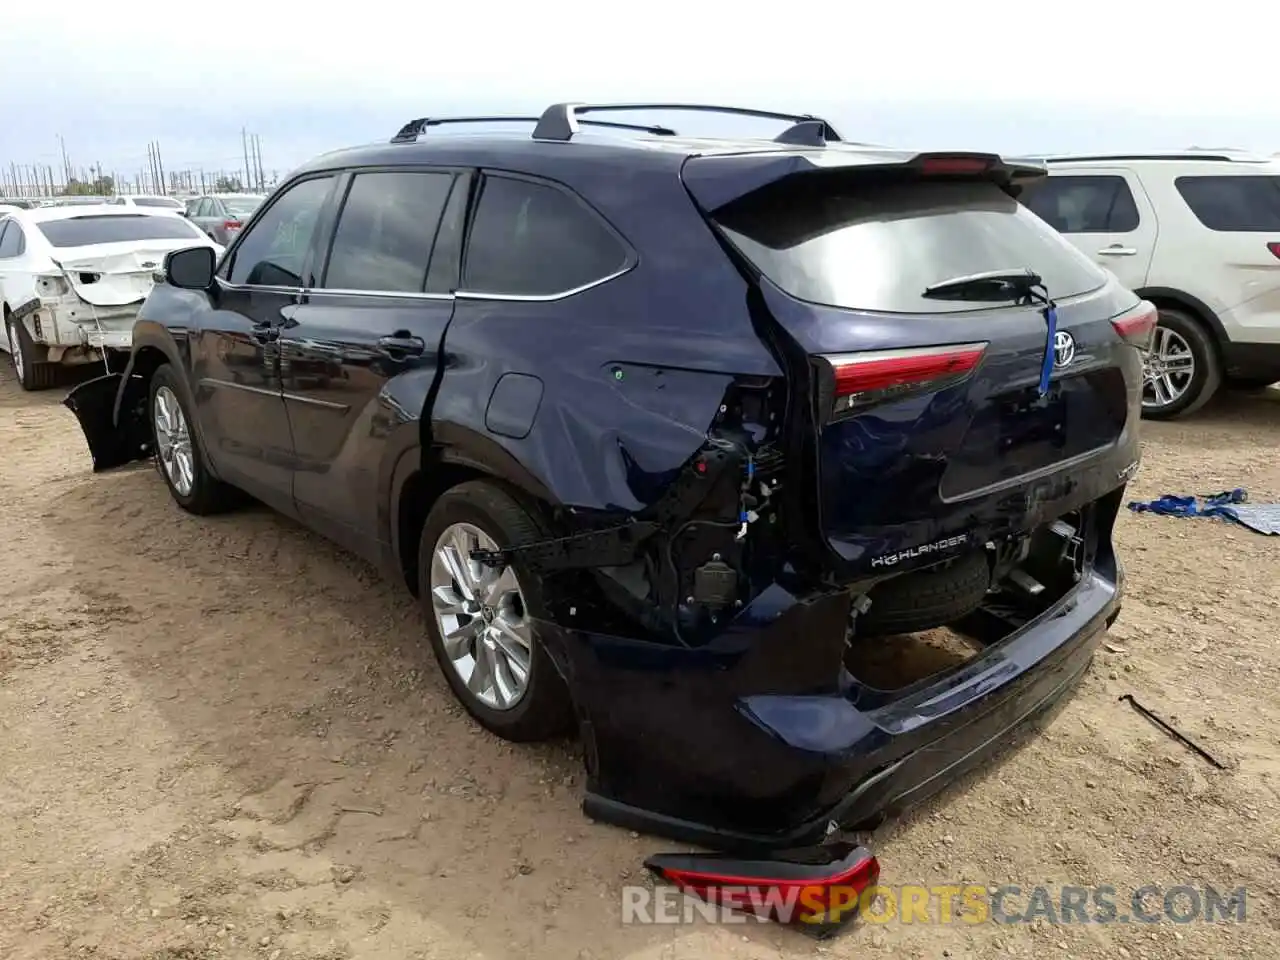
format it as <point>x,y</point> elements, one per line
<point>86,230</point>
<point>166,202</point>
<point>242,206</point>
<point>876,245</point>
<point>1247,204</point>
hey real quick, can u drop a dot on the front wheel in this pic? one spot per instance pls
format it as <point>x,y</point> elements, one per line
<point>177,449</point>
<point>480,619</point>
<point>1182,370</point>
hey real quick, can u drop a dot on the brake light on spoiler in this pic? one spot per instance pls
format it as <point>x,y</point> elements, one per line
<point>1138,326</point>
<point>818,889</point>
<point>859,380</point>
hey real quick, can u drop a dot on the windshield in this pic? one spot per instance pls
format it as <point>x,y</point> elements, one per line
<point>87,230</point>
<point>878,246</point>
<point>242,206</point>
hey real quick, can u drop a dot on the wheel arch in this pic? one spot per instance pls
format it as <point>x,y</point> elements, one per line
<point>1195,307</point>
<point>420,478</point>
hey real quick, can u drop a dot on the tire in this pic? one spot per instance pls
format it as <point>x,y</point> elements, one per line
<point>927,599</point>
<point>32,373</point>
<point>544,708</point>
<point>1206,376</point>
<point>206,494</point>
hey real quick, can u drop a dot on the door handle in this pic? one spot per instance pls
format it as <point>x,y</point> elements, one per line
<point>1115,250</point>
<point>402,346</point>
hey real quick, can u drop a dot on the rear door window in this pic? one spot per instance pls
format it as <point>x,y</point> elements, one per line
<point>386,230</point>
<point>531,239</point>
<point>877,246</point>
<point>12,243</point>
<point>1084,204</point>
<point>1240,204</point>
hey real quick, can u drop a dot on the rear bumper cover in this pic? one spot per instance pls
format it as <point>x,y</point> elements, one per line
<point>687,744</point>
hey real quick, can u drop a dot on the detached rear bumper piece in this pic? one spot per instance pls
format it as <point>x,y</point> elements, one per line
<point>739,746</point>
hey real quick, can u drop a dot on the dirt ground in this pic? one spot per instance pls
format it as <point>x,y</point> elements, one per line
<point>221,738</point>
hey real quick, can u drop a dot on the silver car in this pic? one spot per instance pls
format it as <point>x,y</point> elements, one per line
<point>222,215</point>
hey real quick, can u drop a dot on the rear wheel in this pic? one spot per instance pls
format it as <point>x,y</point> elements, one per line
<point>31,370</point>
<point>1182,371</point>
<point>480,620</point>
<point>178,455</point>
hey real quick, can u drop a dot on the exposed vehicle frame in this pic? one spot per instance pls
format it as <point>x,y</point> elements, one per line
<point>656,459</point>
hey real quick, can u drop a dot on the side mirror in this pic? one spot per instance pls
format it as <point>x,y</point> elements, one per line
<point>191,268</point>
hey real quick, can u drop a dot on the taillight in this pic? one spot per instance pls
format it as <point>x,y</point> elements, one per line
<point>1138,326</point>
<point>1274,247</point>
<point>864,379</point>
<point>231,224</point>
<point>822,888</point>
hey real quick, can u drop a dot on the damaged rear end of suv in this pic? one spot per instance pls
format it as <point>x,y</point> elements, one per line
<point>943,451</point>
<point>785,471</point>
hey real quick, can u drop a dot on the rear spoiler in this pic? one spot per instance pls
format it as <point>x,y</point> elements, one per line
<point>715,180</point>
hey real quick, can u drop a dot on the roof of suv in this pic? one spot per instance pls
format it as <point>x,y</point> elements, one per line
<point>808,138</point>
<point>1176,156</point>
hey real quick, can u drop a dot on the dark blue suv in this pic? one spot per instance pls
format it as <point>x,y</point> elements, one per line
<point>675,439</point>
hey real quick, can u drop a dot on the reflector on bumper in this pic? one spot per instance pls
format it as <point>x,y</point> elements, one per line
<point>817,889</point>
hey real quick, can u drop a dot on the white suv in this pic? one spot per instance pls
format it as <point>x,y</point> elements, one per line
<point>1197,234</point>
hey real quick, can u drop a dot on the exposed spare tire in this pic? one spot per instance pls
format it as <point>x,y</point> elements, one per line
<point>925,599</point>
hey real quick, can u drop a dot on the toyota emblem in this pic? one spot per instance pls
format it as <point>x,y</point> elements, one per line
<point>1064,348</point>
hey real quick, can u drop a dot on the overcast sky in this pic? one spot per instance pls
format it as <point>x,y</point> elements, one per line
<point>1015,77</point>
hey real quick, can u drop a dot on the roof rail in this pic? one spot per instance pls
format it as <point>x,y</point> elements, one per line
<point>1173,155</point>
<point>560,121</point>
<point>410,132</point>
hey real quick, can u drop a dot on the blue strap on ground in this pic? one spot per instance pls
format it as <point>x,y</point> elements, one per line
<point>1229,505</point>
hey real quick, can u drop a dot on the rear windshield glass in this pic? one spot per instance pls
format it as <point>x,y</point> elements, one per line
<point>83,231</point>
<point>1240,204</point>
<point>158,202</point>
<point>876,245</point>
<point>242,206</point>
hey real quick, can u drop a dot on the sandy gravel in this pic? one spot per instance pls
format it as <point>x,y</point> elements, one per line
<point>223,739</point>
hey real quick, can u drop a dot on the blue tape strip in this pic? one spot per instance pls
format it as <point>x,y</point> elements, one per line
<point>1046,365</point>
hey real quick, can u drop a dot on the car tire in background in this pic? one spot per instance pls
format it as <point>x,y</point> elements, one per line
<point>191,485</point>
<point>32,373</point>
<point>480,621</point>
<point>1177,335</point>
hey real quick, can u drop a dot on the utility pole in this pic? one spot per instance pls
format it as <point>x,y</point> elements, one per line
<point>257,163</point>
<point>244,145</point>
<point>66,161</point>
<point>164,189</point>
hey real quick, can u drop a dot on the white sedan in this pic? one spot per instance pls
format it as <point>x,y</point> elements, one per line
<point>72,280</point>
<point>149,204</point>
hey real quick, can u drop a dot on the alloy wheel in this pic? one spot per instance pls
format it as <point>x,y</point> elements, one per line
<point>173,442</point>
<point>480,613</point>
<point>1167,369</point>
<point>15,351</point>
